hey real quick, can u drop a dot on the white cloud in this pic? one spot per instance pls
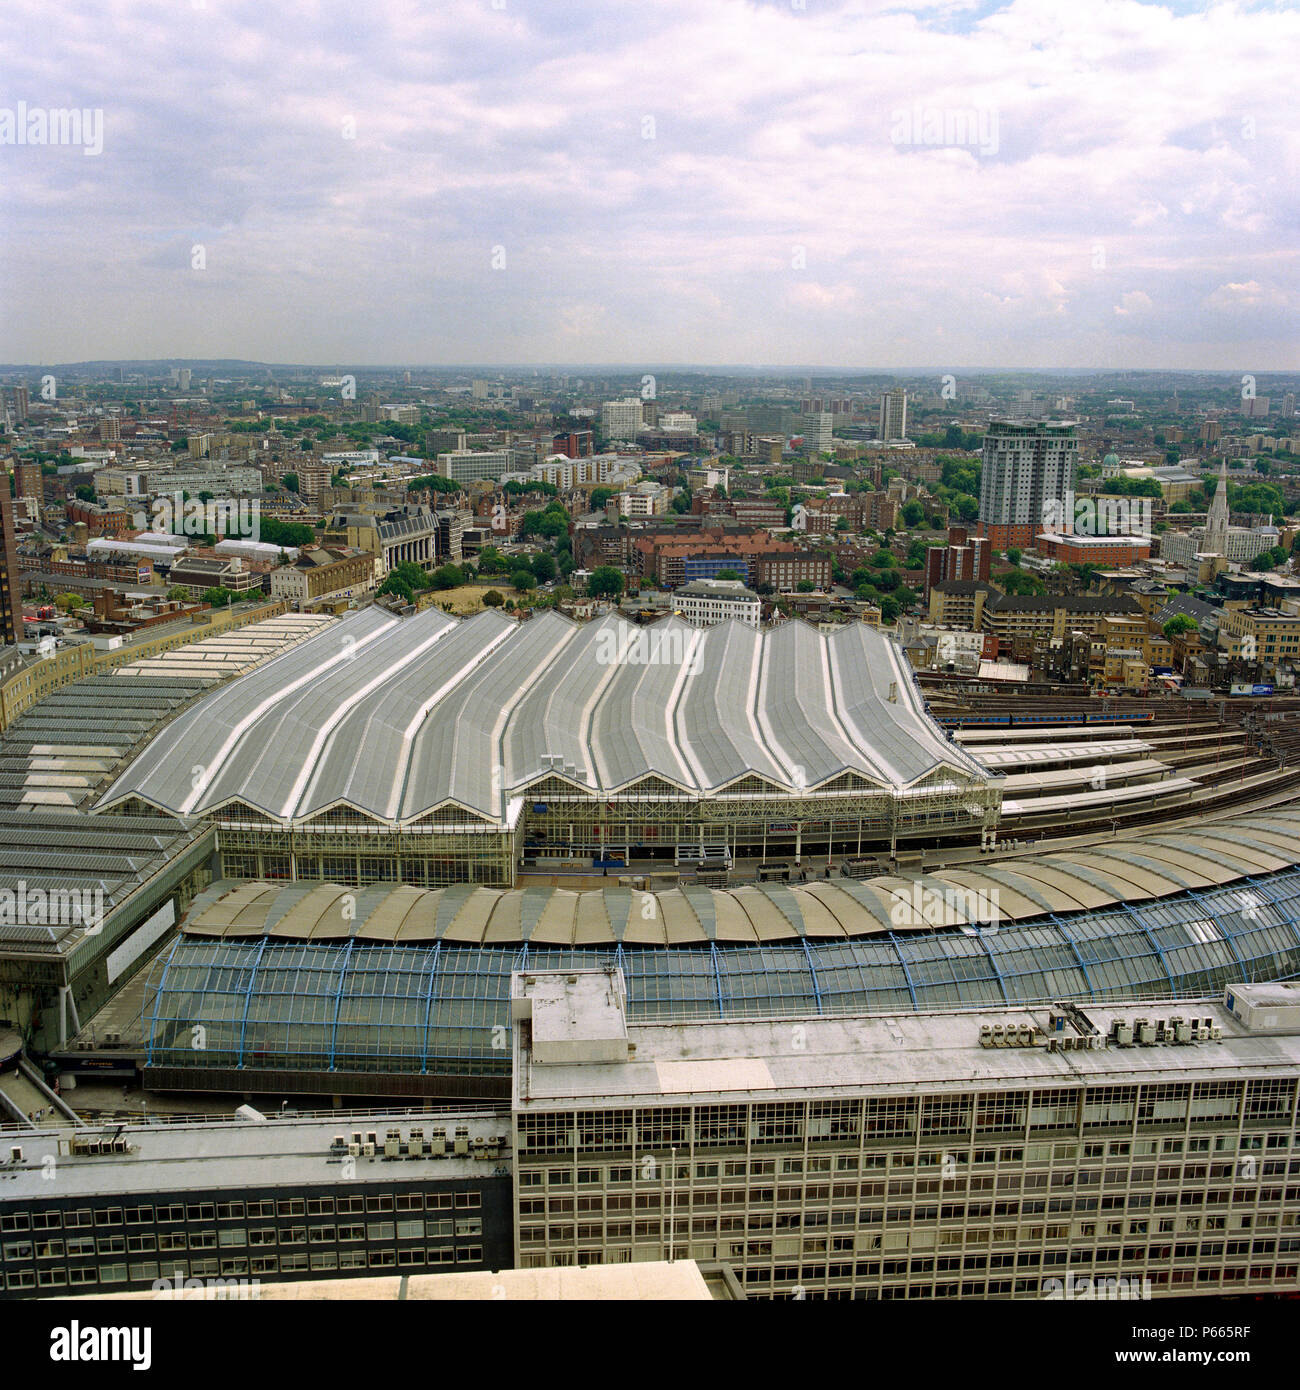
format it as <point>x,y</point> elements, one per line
<point>1134,302</point>
<point>1129,127</point>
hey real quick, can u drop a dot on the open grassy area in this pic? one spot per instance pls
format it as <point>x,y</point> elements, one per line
<point>466,598</point>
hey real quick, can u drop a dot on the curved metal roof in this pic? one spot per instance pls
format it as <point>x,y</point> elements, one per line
<point>394,717</point>
<point>977,896</point>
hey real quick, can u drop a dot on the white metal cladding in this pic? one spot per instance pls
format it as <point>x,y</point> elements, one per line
<point>393,718</point>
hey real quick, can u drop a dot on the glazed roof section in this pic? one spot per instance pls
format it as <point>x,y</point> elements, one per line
<point>980,896</point>
<point>396,718</point>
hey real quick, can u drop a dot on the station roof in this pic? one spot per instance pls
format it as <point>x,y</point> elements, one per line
<point>398,719</point>
<point>980,894</point>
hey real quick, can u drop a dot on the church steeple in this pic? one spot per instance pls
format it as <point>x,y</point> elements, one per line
<point>1215,541</point>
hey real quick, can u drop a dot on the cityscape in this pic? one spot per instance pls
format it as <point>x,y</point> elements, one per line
<point>764,822</point>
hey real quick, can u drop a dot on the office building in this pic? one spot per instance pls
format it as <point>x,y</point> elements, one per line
<point>993,1153</point>
<point>620,420</point>
<point>820,435</point>
<point>238,1200</point>
<point>708,601</point>
<point>468,466</point>
<point>893,415</point>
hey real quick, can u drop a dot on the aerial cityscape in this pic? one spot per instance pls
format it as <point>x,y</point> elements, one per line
<point>623,692</point>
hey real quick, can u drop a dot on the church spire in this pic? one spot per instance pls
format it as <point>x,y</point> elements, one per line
<point>1216,523</point>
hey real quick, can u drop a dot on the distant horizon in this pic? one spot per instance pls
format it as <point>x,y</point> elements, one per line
<point>632,368</point>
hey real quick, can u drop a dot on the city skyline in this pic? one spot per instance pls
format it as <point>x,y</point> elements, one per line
<point>801,186</point>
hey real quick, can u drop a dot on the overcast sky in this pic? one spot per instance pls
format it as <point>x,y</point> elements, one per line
<point>704,181</point>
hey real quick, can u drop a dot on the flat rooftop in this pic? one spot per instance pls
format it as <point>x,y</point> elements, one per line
<point>194,1155</point>
<point>654,1281</point>
<point>806,1057</point>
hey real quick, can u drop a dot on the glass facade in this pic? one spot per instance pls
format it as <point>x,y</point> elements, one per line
<point>443,1007</point>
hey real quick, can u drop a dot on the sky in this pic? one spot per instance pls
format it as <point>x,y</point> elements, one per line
<point>1107,183</point>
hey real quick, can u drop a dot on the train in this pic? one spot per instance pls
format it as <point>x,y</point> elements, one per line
<point>973,721</point>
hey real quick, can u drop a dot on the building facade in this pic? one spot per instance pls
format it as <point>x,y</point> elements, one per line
<point>1027,472</point>
<point>709,601</point>
<point>234,1203</point>
<point>1003,1153</point>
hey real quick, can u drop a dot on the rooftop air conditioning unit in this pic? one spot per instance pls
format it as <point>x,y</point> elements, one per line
<point>986,1035</point>
<point>354,1150</point>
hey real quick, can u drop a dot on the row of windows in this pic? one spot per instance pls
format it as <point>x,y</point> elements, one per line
<point>257,1266</point>
<point>651,1170</point>
<point>174,1213</point>
<point>50,1248</point>
<point>1072,1109</point>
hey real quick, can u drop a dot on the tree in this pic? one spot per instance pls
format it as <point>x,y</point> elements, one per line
<point>1263,561</point>
<point>289,482</point>
<point>1017,581</point>
<point>218,597</point>
<point>728,574</point>
<point>493,598</point>
<point>599,496</point>
<point>605,582</point>
<point>523,580</point>
<point>491,561</point>
<point>432,482</point>
<point>178,593</point>
<point>806,586</point>
<point>544,568</point>
<point>1013,554</point>
<point>448,577</point>
<point>913,513</point>
<point>70,602</point>
<point>86,494</point>
<point>1178,624</point>
<point>395,584</point>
